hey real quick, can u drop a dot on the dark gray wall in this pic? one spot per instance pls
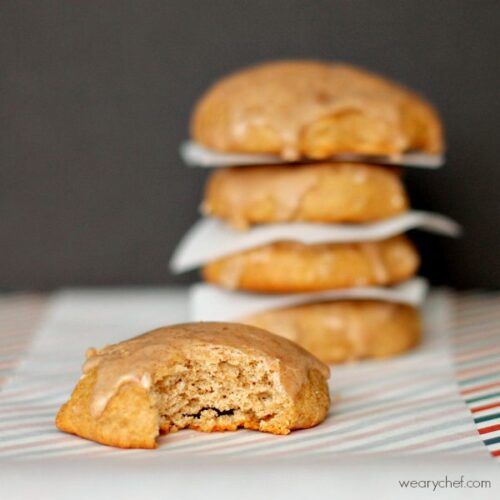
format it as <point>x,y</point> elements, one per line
<point>96,97</point>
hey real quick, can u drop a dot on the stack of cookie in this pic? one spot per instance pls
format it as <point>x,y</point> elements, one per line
<point>311,206</point>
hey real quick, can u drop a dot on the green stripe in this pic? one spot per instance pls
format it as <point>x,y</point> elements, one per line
<point>479,379</point>
<point>494,440</point>
<point>481,398</point>
<point>478,420</point>
<point>478,361</point>
<point>465,347</point>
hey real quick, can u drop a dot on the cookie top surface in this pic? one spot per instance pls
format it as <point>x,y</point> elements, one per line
<point>318,192</point>
<point>311,109</point>
<point>142,358</point>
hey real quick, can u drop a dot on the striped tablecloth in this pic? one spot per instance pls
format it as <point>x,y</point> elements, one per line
<point>475,344</point>
<point>441,399</point>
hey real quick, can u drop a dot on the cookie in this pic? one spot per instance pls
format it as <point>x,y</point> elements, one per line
<point>312,110</point>
<point>345,330</point>
<point>202,376</point>
<point>326,192</point>
<point>287,267</point>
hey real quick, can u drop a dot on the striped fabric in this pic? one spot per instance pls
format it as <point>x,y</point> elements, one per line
<point>476,352</point>
<point>19,316</point>
<point>411,405</point>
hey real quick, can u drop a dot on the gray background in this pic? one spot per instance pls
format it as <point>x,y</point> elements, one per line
<point>96,98</point>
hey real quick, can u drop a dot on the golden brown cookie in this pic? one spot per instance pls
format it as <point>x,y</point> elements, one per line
<point>310,109</point>
<point>325,192</point>
<point>345,330</point>
<point>287,267</point>
<point>202,376</point>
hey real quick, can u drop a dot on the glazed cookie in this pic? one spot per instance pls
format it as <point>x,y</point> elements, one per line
<point>345,330</point>
<point>287,267</point>
<point>202,376</point>
<point>310,109</point>
<point>325,192</point>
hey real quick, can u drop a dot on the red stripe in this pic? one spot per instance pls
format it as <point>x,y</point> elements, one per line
<point>401,424</point>
<point>481,319</point>
<point>485,407</point>
<point>20,333</point>
<point>47,423</point>
<point>34,444</point>
<point>32,408</point>
<point>479,370</point>
<point>471,306</point>
<point>13,349</point>
<point>476,354</point>
<point>385,389</point>
<point>478,388</point>
<point>471,338</point>
<point>380,407</point>
<point>8,364</point>
<point>491,428</point>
